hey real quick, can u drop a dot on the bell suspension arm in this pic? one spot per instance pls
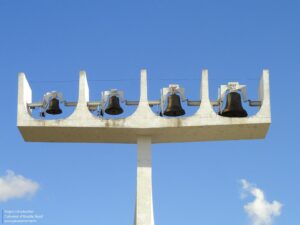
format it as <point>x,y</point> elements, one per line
<point>91,105</point>
<point>217,103</point>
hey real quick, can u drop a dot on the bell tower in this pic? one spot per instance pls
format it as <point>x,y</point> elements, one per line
<point>144,127</point>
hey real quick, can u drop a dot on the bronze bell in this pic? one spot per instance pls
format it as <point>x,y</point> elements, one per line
<point>234,106</point>
<point>174,106</point>
<point>114,107</point>
<point>53,107</point>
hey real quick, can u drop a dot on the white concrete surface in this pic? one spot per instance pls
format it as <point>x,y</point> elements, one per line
<point>144,204</point>
<point>82,126</point>
<point>142,127</point>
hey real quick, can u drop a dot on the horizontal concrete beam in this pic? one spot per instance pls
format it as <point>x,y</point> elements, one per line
<point>82,126</point>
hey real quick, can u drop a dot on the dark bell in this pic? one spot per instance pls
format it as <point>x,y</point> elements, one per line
<point>53,107</point>
<point>114,107</point>
<point>234,106</point>
<point>174,106</point>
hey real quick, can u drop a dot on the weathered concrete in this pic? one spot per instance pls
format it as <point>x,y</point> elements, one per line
<point>82,126</point>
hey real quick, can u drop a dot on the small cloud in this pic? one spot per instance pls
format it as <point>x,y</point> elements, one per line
<point>16,186</point>
<point>260,211</point>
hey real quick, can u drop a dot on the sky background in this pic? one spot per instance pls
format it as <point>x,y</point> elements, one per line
<point>193,183</point>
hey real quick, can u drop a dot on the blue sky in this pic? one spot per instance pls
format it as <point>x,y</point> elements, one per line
<point>193,183</point>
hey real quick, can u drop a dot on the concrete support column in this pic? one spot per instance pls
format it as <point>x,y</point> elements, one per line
<point>144,205</point>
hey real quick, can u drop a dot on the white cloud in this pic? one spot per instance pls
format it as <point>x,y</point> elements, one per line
<point>260,211</point>
<point>16,186</point>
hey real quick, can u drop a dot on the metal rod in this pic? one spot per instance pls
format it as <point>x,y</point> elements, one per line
<point>193,103</point>
<point>151,103</point>
<point>95,104</point>
<point>70,103</point>
<point>132,103</point>
<point>215,103</point>
<point>34,105</point>
<point>254,103</point>
<point>197,103</point>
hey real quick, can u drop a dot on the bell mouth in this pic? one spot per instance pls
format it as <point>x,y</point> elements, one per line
<point>179,112</point>
<point>114,111</point>
<point>242,113</point>
<point>54,112</point>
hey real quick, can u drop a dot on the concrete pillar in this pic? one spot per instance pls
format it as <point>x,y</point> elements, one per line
<point>144,205</point>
